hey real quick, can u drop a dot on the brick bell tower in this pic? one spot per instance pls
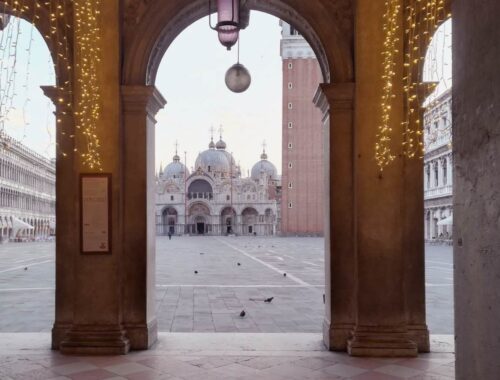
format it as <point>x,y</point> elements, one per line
<point>302,207</point>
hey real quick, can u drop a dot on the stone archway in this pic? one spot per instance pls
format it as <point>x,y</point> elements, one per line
<point>199,218</point>
<point>153,25</point>
<point>150,27</point>
<point>67,189</point>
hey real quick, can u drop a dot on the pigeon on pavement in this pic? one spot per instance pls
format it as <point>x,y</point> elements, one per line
<point>243,313</point>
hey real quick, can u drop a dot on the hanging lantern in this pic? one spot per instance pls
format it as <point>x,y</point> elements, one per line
<point>228,21</point>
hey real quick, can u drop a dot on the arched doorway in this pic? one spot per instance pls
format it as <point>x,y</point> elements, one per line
<point>199,219</point>
<point>249,219</point>
<point>169,221</point>
<point>228,221</point>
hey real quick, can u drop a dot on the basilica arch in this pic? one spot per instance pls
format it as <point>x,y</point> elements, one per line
<point>169,220</point>
<point>228,220</point>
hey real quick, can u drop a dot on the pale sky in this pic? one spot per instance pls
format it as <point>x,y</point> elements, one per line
<point>191,78</point>
<point>31,121</point>
<point>438,61</point>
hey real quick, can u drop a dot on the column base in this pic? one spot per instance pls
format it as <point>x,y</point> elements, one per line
<point>381,342</point>
<point>95,340</point>
<point>59,333</point>
<point>336,336</point>
<point>142,336</point>
<point>420,335</point>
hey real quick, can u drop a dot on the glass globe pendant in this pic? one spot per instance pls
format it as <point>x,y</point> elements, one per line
<point>238,78</point>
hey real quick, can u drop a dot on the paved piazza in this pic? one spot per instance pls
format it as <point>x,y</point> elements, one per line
<point>211,301</point>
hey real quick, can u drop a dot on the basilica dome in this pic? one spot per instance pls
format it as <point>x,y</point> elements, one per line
<point>176,169</point>
<point>234,169</point>
<point>264,166</point>
<point>213,161</point>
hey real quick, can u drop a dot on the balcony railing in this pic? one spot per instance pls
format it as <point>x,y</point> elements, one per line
<point>438,192</point>
<point>440,140</point>
<point>208,196</point>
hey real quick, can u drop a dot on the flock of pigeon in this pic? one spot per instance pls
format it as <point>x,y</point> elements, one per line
<point>266,300</point>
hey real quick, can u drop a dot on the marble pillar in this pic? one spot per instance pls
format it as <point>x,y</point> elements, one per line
<point>96,280</point>
<point>66,212</point>
<point>476,144</point>
<point>381,222</point>
<point>140,105</point>
<point>336,101</point>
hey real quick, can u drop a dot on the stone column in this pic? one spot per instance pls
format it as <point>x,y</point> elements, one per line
<point>66,212</point>
<point>97,280</point>
<point>425,177</point>
<point>336,101</point>
<point>432,224</point>
<point>449,160</point>
<point>381,325</point>
<point>414,252</point>
<point>140,105</point>
<point>441,171</point>
<point>476,142</point>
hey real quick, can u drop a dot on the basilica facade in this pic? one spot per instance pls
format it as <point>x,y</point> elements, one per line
<point>215,199</point>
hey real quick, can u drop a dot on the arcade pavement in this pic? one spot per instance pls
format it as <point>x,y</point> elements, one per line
<point>211,301</point>
<point>224,356</point>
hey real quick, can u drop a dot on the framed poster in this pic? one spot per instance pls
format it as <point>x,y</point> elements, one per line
<point>95,213</point>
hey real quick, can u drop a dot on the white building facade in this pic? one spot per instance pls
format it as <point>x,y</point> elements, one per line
<point>438,170</point>
<point>215,199</point>
<point>27,193</point>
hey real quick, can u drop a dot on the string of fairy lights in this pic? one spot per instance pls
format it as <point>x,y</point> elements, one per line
<point>421,18</point>
<point>66,19</point>
<point>88,51</point>
<point>383,151</point>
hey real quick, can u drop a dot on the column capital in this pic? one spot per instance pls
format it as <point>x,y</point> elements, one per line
<point>140,98</point>
<point>335,96</point>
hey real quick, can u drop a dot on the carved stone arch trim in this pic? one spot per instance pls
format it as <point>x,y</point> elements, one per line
<point>165,210</point>
<point>152,25</point>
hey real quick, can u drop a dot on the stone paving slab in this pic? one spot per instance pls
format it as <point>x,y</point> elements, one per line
<point>218,356</point>
<point>211,301</point>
